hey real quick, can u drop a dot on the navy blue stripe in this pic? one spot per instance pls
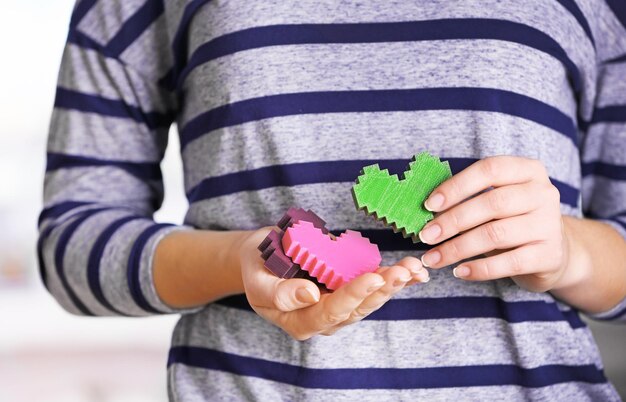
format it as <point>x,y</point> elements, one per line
<point>142,170</point>
<point>80,11</point>
<point>73,100</point>
<point>180,43</point>
<point>136,25</point>
<point>608,170</point>
<point>442,29</point>
<point>455,308</point>
<point>78,38</point>
<point>59,256</point>
<point>385,378</point>
<point>134,263</point>
<point>619,9</point>
<point>54,211</point>
<point>618,59</point>
<point>95,258</point>
<point>609,114</point>
<point>322,172</point>
<point>392,100</point>
<point>573,8</point>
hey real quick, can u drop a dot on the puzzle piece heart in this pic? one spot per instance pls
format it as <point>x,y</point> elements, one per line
<point>272,250</point>
<point>399,203</point>
<point>332,262</point>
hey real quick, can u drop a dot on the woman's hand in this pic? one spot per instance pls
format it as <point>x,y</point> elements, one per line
<point>300,309</point>
<point>517,224</point>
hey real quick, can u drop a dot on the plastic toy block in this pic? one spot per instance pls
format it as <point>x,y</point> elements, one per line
<point>275,259</point>
<point>272,250</point>
<point>294,215</point>
<point>332,262</point>
<point>399,203</point>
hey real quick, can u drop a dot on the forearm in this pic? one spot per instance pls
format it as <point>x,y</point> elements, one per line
<point>193,268</point>
<point>595,278</point>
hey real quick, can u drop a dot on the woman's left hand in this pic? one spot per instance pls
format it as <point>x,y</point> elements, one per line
<point>517,224</point>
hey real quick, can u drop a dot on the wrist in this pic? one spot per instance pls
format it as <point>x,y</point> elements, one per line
<point>578,268</point>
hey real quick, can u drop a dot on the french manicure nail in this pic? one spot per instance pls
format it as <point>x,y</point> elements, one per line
<point>434,202</point>
<point>461,271</point>
<point>304,295</point>
<point>400,282</point>
<point>375,287</point>
<point>430,233</point>
<point>431,258</point>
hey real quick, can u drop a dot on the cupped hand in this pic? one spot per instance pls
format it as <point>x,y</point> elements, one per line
<point>302,310</point>
<point>517,224</point>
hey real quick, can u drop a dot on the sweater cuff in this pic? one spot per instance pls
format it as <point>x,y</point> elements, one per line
<point>617,313</point>
<point>141,279</point>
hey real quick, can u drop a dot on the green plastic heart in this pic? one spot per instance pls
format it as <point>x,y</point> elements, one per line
<point>400,203</point>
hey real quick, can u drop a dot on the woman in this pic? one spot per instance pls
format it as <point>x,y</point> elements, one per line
<point>281,104</point>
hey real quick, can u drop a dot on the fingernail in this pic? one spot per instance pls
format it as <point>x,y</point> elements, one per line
<point>434,202</point>
<point>431,258</point>
<point>400,282</point>
<point>375,287</point>
<point>304,295</point>
<point>430,233</point>
<point>461,271</point>
<point>423,278</point>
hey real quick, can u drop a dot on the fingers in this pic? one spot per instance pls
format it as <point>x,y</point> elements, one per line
<point>333,308</point>
<point>396,278</point>
<point>499,203</point>
<point>489,172</point>
<point>494,235</point>
<point>521,261</point>
<point>406,272</point>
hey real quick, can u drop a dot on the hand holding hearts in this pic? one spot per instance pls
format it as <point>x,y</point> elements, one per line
<point>332,262</point>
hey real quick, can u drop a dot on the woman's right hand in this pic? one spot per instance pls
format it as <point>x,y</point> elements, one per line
<point>300,309</point>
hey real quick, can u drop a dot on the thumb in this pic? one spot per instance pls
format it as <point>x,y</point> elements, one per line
<point>294,294</point>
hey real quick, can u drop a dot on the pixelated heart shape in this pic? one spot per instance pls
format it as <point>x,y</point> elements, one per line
<point>399,203</point>
<point>272,250</point>
<point>332,262</point>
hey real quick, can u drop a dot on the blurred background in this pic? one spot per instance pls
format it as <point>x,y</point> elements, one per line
<point>45,353</point>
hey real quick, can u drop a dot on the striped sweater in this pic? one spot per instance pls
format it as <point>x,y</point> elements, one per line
<point>279,103</point>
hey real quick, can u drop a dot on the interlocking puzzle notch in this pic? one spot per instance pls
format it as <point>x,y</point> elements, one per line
<point>399,203</point>
<point>272,250</point>
<point>332,262</point>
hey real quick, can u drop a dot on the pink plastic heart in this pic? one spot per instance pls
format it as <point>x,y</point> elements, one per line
<point>332,262</point>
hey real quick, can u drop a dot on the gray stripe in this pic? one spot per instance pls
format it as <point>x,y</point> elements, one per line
<point>426,343</point>
<point>288,69</point>
<point>106,185</point>
<point>114,267</point>
<point>77,254</point>
<point>605,142</point>
<point>150,52</point>
<point>106,17</point>
<point>605,196</point>
<point>105,137</point>
<point>90,72</point>
<point>389,135</point>
<point>54,283</point>
<point>192,384</point>
<point>216,18</point>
